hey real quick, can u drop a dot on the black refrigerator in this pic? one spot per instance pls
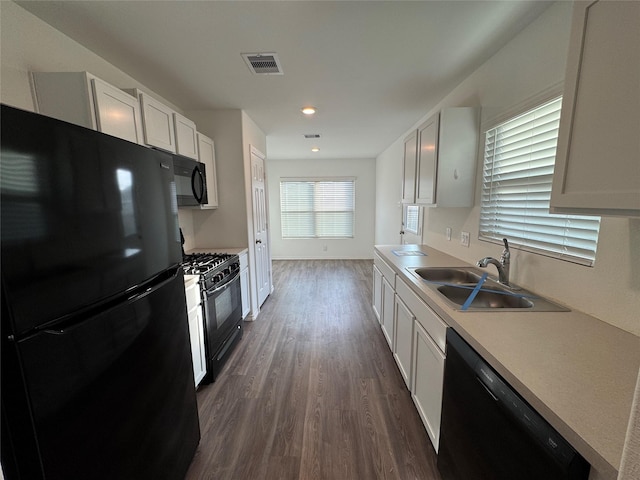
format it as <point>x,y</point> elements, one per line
<point>97,379</point>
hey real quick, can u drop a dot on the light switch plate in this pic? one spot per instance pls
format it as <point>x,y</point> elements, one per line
<point>448,232</point>
<point>464,239</point>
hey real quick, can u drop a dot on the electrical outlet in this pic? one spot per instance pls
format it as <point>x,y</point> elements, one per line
<point>448,233</point>
<point>464,239</point>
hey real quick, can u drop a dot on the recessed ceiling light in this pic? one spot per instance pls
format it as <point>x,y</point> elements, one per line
<point>315,149</point>
<point>308,110</point>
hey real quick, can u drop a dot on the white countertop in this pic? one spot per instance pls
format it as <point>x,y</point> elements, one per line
<point>577,371</point>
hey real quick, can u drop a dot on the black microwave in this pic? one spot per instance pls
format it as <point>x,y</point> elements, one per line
<point>191,181</point>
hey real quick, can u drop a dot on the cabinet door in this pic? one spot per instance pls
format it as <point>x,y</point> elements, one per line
<point>244,292</point>
<point>428,374</point>
<point>427,162</point>
<point>207,155</point>
<point>409,168</point>
<point>117,112</point>
<point>157,121</point>
<point>386,320</point>
<point>597,169</point>
<point>196,334</point>
<point>377,292</point>
<point>458,134</point>
<point>403,340</point>
<point>186,141</point>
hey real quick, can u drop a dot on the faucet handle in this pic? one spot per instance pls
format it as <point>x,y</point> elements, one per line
<point>506,253</point>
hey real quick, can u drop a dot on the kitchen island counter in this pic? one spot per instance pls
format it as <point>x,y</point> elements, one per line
<point>577,371</point>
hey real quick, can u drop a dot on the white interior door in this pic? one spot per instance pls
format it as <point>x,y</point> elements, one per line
<point>260,227</point>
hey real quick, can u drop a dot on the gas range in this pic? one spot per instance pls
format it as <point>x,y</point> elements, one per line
<point>213,268</point>
<point>221,296</point>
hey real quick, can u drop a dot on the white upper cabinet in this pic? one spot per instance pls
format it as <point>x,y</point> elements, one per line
<point>186,137</point>
<point>443,153</point>
<point>598,158</point>
<point>409,168</point>
<point>157,121</point>
<point>427,161</point>
<point>83,99</point>
<point>207,155</point>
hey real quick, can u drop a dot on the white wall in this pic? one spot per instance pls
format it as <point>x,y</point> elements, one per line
<point>358,247</point>
<point>225,226</point>
<point>530,64</point>
<point>29,44</point>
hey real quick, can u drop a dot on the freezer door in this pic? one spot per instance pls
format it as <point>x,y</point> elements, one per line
<point>113,397</point>
<point>84,216</point>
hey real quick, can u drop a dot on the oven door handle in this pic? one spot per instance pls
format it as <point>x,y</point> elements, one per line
<point>225,285</point>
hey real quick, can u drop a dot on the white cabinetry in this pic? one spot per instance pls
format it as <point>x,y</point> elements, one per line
<point>377,292</point>
<point>207,155</point>
<point>196,327</point>
<point>244,284</point>
<point>186,136</point>
<point>157,121</point>
<point>440,159</point>
<point>387,318</point>
<point>409,168</point>
<point>598,159</point>
<point>387,297</point>
<point>83,99</point>
<point>427,161</point>
<point>428,340</point>
<point>428,374</point>
<point>402,351</point>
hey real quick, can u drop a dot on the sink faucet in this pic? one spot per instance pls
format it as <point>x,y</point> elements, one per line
<point>502,265</point>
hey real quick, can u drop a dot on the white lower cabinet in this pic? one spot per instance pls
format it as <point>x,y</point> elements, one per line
<point>388,310</point>
<point>196,327</point>
<point>384,297</point>
<point>428,374</point>
<point>244,285</point>
<point>421,359</point>
<point>403,348</point>
<point>377,292</point>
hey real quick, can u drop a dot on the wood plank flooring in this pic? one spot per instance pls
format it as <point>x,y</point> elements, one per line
<point>312,391</point>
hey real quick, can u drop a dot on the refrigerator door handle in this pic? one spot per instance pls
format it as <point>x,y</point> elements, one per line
<point>67,325</point>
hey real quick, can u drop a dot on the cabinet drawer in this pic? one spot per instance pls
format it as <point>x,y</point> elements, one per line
<point>386,270</point>
<point>427,318</point>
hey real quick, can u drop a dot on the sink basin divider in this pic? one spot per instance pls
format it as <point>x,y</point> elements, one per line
<point>474,292</point>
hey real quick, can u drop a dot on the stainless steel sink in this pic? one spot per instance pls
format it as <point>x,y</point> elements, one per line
<point>456,284</point>
<point>485,299</point>
<point>449,275</point>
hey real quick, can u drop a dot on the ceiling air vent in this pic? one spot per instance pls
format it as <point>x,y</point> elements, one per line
<point>311,135</point>
<point>263,63</point>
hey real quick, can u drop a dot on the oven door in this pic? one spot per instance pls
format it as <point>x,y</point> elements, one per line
<point>223,311</point>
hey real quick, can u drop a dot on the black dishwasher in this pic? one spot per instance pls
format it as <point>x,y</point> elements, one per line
<point>489,432</point>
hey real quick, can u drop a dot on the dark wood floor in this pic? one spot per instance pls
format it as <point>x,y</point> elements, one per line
<point>312,391</point>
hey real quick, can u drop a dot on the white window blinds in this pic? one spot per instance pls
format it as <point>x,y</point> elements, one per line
<point>317,208</point>
<point>518,168</point>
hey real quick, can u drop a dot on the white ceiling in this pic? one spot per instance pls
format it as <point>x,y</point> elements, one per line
<point>372,68</point>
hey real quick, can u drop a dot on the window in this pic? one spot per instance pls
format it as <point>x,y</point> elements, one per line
<point>518,168</point>
<point>317,207</point>
<point>412,219</point>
